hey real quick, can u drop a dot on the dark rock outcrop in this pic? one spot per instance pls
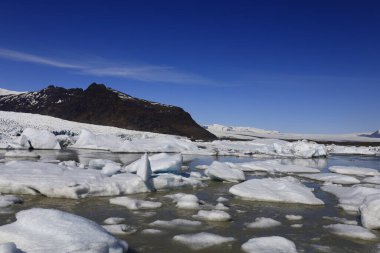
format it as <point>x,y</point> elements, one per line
<point>104,106</point>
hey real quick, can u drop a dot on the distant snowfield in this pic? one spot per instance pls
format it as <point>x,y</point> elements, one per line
<point>249,133</point>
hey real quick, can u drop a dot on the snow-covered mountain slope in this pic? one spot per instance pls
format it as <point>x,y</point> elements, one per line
<point>13,123</point>
<point>4,92</point>
<point>249,133</point>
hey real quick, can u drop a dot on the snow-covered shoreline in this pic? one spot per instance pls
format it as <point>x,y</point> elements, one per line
<point>20,130</point>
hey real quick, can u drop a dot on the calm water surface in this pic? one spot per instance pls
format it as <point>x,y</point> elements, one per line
<point>242,211</point>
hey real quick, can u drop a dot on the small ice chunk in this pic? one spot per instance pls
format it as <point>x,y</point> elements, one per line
<point>331,178</point>
<point>351,170</point>
<point>270,244</point>
<point>135,204</point>
<point>286,190</point>
<point>221,171</point>
<point>220,206</point>
<point>119,229</point>
<point>351,231</point>
<point>176,223</point>
<point>370,212</point>
<point>262,222</point>
<point>213,215</point>
<point>293,217</point>
<point>202,240</point>
<point>151,231</point>
<point>222,199</point>
<point>113,220</point>
<point>185,201</point>
<point>296,225</point>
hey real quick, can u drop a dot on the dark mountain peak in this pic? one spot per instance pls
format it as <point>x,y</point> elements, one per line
<point>96,87</point>
<point>105,106</point>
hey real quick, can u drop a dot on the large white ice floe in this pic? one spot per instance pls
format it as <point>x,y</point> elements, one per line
<point>176,224</point>
<point>331,178</point>
<point>162,162</point>
<point>270,244</point>
<point>202,240</point>
<point>9,200</point>
<point>212,215</point>
<point>46,230</point>
<point>184,201</point>
<point>135,204</point>
<point>273,167</point>
<point>51,180</point>
<point>285,190</point>
<point>270,147</point>
<point>222,171</point>
<point>263,222</point>
<point>370,212</point>
<point>351,170</point>
<point>351,231</point>
<point>350,198</point>
<point>38,139</point>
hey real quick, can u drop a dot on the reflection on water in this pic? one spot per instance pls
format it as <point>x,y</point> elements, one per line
<point>311,234</point>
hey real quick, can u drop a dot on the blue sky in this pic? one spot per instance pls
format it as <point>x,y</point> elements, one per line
<point>293,66</point>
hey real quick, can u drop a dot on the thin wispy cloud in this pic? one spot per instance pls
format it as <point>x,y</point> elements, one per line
<point>24,57</point>
<point>145,73</point>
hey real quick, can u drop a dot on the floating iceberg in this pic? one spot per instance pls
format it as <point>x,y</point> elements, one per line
<point>89,140</point>
<point>331,178</point>
<point>213,215</point>
<point>135,204</point>
<point>350,198</point>
<point>262,222</point>
<point>38,139</point>
<point>46,230</point>
<point>270,244</point>
<point>185,201</point>
<point>159,163</point>
<point>370,212</point>
<point>358,171</point>
<point>221,171</point>
<point>202,240</point>
<point>52,180</point>
<point>351,231</point>
<point>286,190</point>
<point>176,224</point>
